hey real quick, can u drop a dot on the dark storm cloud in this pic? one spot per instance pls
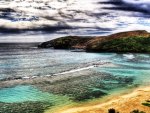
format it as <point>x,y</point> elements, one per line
<point>128,6</point>
<point>6,10</point>
<point>45,28</point>
<point>48,29</point>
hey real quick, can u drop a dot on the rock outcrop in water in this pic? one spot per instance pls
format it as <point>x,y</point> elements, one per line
<point>132,41</point>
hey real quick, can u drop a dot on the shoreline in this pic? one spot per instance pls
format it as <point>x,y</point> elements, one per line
<point>98,105</point>
<point>128,101</point>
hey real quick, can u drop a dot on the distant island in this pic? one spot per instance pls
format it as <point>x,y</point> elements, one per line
<point>132,41</point>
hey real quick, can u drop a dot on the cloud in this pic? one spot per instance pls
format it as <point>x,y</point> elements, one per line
<point>73,17</point>
<point>43,28</point>
<point>141,6</point>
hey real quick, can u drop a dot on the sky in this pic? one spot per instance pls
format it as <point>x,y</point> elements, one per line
<point>41,20</point>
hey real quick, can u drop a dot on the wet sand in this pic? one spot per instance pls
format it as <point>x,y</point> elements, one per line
<point>124,103</point>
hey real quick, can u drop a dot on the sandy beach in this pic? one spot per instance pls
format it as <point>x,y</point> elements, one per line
<point>123,104</point>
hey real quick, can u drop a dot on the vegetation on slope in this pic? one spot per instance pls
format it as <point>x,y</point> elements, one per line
<point>130,44</point>
<point>132,41</point>
<point>68,42</point>
<point>147,103</point>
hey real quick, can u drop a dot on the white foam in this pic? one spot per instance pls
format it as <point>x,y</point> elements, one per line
<point>75,70</point>
<point>129,56</point>
<point>26,77</point>
<point>83,68</point>
<point>34,77</point>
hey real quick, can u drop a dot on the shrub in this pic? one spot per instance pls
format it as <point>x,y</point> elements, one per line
<point>147,103</point>
<point>111,110</point>
<point>129,44</point>
<point>137,111</point>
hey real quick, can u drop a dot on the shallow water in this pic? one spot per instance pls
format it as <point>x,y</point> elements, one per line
<point>127,70</point>
<point>28,93</point>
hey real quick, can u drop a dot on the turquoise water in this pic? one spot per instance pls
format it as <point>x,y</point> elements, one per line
<point>125,69</point>
<point>23,93</point>
<point>134,65</point>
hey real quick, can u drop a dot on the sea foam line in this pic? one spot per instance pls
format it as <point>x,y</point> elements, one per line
<point>70,71</point>
<point>81,69</point>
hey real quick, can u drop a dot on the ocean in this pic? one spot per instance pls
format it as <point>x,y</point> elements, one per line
<point>25,59</point>
<point>71,77</point>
